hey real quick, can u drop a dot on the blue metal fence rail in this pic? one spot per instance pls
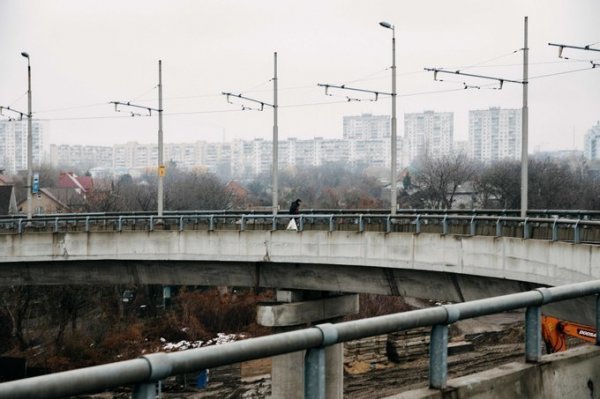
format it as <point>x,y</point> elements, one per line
<point>145,372</point>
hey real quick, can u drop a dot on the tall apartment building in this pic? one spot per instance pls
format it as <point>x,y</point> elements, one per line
<point>13,145</point>
<point>428,134</point>
<point>83,156</point>
<point>495,134</point>
<point>591,144</point>
<point>367,127</point>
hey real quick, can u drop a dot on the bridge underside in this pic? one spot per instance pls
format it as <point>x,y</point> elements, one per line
<point>439,286</point>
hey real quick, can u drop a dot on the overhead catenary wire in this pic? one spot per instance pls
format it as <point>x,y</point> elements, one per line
<point>489,60</point>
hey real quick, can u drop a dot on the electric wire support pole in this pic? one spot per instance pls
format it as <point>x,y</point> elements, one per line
<point>161,166</point>
<point>524,114</point>
<point>29,140</point>
<point>275,139</point>
<point>393,138</point>
<point>275,107</point>
<point>525,129</point>
<point>159,110</point>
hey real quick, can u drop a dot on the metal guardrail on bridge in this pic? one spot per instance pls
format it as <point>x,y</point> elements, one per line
<point>146,371</point>
<point>461,223</point>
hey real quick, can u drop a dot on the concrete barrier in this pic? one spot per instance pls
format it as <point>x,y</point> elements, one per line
<point>571,374</point>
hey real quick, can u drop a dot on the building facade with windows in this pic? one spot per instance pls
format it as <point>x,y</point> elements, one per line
<point>428,134</point>
<point>591,143</point>
<point>367,127</point>
<point>495,134</point>
<point>13,145</point>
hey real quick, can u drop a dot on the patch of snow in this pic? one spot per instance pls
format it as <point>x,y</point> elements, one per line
<point>220,339</point>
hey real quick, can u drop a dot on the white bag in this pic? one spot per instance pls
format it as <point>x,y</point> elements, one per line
<point>292,225</point>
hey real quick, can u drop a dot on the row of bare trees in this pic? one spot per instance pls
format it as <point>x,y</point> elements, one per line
<point>553,184</point>
<point>428,183</point>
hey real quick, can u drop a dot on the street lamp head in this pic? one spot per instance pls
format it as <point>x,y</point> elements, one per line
<point>386,25</point>
<point>24,54</point>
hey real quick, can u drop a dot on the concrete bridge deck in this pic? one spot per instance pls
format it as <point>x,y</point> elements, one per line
<point>344,253</point>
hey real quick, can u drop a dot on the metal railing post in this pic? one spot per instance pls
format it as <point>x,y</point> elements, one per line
<point>274,224</point>
<point>445,225</point>
<point>473,226</point>
<point>498,228</point>
<point>438,356</point>
<point>555,230</point>
<point>331,223</point>
<point>301,224</point>
<point>87,224</point>
<point>56,225</point>
<point>525,229</point>
<point>146,390</point>
<point>315,365</point>
<point>20,226</point>
<point>211,223</point>
<point>151,223</point>
<point>361,224</point>
<point>243,223</point>
<point>388,224</point>
<point>314,373</point>
<point>120,223</point>
<point>533,334</point>
<point>418,224</point>
<point>181,223</point>
<point>576,233</point>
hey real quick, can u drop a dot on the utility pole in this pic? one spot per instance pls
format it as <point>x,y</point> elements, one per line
<point>275,107</point>
<point>393,189</point>
<point>525,130</point>
<point>161,166</point>
<point>159,110</point>
<point>393,139</point>
<point>524,115</point>
<point>275,139</point>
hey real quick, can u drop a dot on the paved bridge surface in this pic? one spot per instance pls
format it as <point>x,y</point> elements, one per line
<point>437,255</point>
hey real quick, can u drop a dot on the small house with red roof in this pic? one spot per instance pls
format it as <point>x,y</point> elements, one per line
<point>73,190</point>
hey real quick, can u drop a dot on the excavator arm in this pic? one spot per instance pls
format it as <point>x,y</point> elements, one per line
<point>555,332</point>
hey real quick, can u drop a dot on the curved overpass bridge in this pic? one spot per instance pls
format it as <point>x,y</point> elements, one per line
<point>449,257</point>
<point>453,257</point>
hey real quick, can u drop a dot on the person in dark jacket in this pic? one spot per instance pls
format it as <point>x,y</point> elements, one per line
<point>295,207</point>
<point>294,210</point>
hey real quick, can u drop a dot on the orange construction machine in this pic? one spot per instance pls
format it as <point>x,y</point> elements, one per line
<point>555,332</point>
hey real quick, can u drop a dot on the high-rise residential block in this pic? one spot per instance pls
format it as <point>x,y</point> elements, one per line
<point>367,127</point>
<point>495,134</point>
<point>428,134</point>
<point>591,144</point>
<point>13,144</point>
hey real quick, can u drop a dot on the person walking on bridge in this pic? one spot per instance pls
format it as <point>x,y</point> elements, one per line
<point>294,210</point>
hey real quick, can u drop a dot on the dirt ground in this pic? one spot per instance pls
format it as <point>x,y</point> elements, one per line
<point>492,341</point>
<point>495,340</point>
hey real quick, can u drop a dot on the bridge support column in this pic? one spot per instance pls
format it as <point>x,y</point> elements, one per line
<point>296,309</point>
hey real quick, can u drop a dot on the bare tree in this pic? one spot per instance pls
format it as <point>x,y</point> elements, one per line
<point>437,180</point>
<point>498,185</point>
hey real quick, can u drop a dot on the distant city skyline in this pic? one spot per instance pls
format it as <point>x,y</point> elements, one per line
<point>494,135</point>
<point>86,54</point>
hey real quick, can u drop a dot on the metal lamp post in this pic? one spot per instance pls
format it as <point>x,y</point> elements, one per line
<point>393,205</point>
<point>29,139</point>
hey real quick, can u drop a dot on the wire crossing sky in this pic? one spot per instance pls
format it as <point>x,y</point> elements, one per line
<point>85,54</point>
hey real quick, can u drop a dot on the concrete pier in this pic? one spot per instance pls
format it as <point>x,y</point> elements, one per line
<point>296,309</point>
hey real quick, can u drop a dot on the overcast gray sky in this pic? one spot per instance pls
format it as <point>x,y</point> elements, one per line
<point>87,53</point>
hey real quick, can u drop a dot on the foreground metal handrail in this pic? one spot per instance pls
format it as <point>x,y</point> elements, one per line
<point>146,371</point>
